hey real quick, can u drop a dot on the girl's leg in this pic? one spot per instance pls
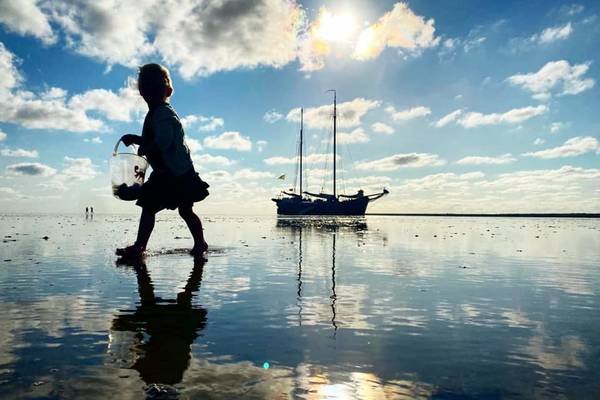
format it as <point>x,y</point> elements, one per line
<point>145,229</point>
<point>195,227</point>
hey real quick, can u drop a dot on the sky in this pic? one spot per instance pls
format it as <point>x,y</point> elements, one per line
<point>454,106</point>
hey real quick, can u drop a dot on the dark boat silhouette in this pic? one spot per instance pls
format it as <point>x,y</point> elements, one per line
<point>306,203</point>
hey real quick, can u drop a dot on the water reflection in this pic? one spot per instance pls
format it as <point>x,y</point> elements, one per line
<point>156,338</point>
<point>447,309</point>
<point>297,225</point>
<point>332,224</point>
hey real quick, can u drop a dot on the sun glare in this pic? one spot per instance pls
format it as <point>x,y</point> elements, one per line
<point>335,28</point>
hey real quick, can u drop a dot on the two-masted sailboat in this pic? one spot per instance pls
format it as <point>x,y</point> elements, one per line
<point>306,203</point>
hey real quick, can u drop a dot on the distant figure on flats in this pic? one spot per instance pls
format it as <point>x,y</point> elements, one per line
<point>173,183</point>
<point>91,210</point>
<point>86,211</point>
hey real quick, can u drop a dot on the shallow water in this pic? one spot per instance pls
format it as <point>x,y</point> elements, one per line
<point>372,308</point>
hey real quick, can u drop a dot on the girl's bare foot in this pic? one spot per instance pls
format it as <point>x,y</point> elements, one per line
<point>133,251</point>
<point>198,250</point>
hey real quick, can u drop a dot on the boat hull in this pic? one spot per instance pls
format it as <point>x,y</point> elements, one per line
<point>292,206</point>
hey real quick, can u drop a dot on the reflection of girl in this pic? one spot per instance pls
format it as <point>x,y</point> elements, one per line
<point>170,326</point>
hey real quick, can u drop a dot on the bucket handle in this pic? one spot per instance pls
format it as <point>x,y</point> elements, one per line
<point>117,147</point>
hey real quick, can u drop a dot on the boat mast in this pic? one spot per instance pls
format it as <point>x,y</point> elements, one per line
<point>301,145</point>
<point>334,139</point>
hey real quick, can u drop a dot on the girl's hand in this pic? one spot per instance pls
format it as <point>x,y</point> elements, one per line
<point>128,140</point>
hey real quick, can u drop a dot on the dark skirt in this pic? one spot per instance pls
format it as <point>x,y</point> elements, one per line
<point>163,190</point>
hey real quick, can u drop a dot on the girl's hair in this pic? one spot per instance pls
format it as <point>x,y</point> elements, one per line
<point>153,81</point>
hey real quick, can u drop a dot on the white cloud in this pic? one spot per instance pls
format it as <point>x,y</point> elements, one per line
<point>448,118</point>
<point>216,176</point>
<point>31,169</point>
<point>78,169</point>
<point>556,126</point>
<point>272,116</point>
<point>478,160</point>
<point>549,35</point>
<point>314,158</point>
<point>349,114</point>
<point>406,115</point>
<point>2,136</point>
<point>368,181</point>
<point>196,39</point>
<point>358,135</point>
<point>188,120</point>
<point>392,163</point>
<point>568,189</point>
<point>199,39</point>
<point>473,42</point>
<point>446,181</point>
<point>205,124</point>
<point>260,145</point>
<point>52,110</point>
<point>380,127</point>
<point>115,106</point>
<point>193,144</point>
<point>553,34</point>
<point>19,153</point>
<point>548,180</point>
<point>248,174</point>
<point>95,140</point>
<point>207,159</point>
<point>572,9</point>
<point>227,35</point>
<point>75,170</point>
<point>212,124</point>
<point>230,141</point>
<point>10,78</point>
<point>35,113</point>
<point>113,32</point>
<point>474,39</point>
<point>25,18</point>
<point>471,175</point>
<point>54,93</point>
<point>539,141</point>
<point>555,77</point>
<point>514,116</point>
<point>400,28</point>
<point>572,147</point>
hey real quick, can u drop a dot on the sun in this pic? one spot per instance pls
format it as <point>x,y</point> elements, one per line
<point>335,27</point>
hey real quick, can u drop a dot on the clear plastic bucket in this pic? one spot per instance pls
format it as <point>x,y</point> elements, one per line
<point>127,173</point>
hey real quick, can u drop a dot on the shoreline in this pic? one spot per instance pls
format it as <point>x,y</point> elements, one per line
<point>503,215</point>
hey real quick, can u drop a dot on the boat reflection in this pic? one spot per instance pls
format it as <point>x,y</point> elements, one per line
<point>156,338</point>
<point>332,225</point>
<point>324,223</point>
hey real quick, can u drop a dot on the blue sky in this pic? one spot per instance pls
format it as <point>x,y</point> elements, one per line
<point>468,106</point>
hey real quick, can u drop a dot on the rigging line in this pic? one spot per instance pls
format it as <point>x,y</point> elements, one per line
<point>296,164</point>
<point>326,167</point>
<point>342,173</point>
<point>351,160</point>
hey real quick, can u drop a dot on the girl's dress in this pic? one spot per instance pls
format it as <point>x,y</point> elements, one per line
<point>173,182</point>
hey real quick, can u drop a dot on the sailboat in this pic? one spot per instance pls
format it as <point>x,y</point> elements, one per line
<point>306,203</point>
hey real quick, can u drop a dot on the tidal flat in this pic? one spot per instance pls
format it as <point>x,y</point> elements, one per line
<point>335,308</point>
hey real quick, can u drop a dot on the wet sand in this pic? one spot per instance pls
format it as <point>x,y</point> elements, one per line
<point>369,308</point>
